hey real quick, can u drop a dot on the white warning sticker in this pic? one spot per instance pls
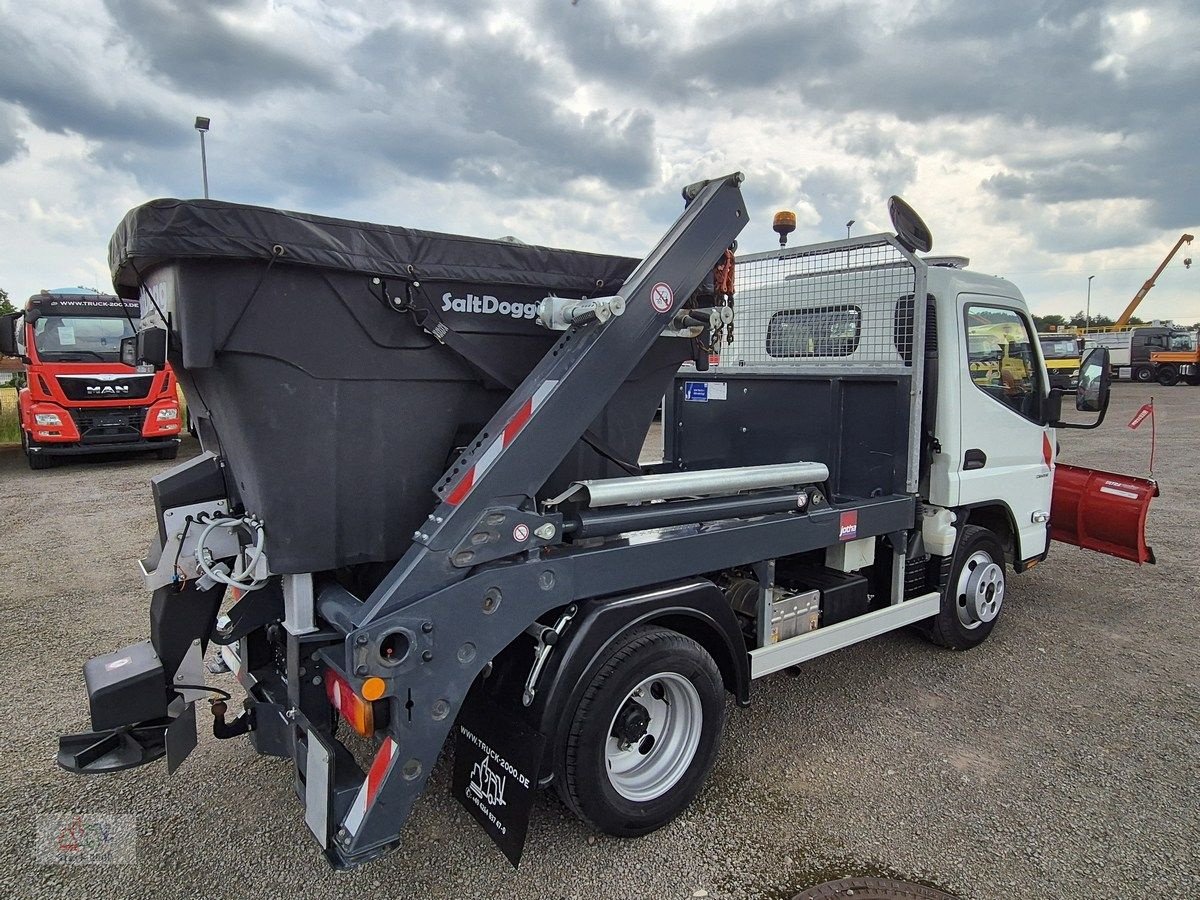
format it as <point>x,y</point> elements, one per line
<point>717,390</point>
<point>521,533</point>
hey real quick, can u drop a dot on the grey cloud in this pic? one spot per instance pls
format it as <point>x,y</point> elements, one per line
<point>60,95</point>
<point>11,144</point>
<point>497,119</point>
<point>189,45</point>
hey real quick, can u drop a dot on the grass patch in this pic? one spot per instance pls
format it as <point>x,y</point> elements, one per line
<point>9,430</point>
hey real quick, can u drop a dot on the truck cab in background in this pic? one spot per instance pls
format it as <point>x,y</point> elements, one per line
<point>1062,354</point>
<point>78,397</point>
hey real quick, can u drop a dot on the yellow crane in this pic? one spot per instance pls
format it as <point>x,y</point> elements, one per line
<point>1123,319</point>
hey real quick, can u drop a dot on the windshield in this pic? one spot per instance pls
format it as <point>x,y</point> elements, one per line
<point>1059,348</point>
<point>80,338</point>
<point>1183,340</point>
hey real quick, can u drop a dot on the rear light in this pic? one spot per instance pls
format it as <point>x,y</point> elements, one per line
<point>358,713</point>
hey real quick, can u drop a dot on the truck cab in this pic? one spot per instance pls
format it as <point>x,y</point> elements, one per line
<point>1061,352</point>
<point>984,451</point>
<point>79,398</point>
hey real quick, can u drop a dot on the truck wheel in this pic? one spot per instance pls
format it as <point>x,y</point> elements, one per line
<point>1192,379</point>
<point>974,593</point>
<point>644,735</point>
<point>1144,374</point>
<point>1168,375</point>
<point>37,461</point>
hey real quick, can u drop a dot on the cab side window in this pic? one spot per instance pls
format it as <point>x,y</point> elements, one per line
<point>1001,359</point>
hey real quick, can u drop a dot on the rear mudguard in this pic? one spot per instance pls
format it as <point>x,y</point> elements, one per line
<point>695,607</point>
<point>1102,511</point>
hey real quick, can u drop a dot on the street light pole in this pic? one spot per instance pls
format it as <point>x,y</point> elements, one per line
<point>202,124</point>
<point>1087,316</point>
<point>848,224</point>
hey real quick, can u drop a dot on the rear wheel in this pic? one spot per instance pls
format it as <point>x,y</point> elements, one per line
<point>1143,374</point>
<point>644,735</point>
<point>974,593</point>
<point>1192,379</point>
<point>37,461</point>
<point>1168,375</point>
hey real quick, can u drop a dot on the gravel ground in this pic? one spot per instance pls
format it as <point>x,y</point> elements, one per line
<point>1058,760</point>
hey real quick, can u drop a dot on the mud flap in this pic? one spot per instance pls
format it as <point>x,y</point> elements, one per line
<point>496,761</point>
<point>1102,511</point>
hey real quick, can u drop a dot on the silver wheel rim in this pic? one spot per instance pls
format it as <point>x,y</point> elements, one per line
<point>644,769</point>
<point>980,590</point>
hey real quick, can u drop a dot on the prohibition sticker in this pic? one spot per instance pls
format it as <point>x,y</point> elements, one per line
<point>662,298</point>
<point>521,533</point>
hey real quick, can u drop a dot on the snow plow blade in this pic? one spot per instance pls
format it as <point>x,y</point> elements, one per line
<point>1102,511</point>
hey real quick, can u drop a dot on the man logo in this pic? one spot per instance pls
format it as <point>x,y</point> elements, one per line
<point>107,390</point>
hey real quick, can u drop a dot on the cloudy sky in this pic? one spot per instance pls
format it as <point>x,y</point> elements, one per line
<point>1047,141</point>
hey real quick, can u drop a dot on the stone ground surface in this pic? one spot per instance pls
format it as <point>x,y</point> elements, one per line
<point>1058,760</point>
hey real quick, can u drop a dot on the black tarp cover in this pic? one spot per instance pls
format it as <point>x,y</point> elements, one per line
<point>212,229</point>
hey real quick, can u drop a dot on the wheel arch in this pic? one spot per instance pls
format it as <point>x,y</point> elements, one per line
<point>696,608</point>
<point>997,518</point>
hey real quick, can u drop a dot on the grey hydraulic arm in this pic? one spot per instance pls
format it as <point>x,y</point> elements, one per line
<point>428,632</point>
<point>529,436</point>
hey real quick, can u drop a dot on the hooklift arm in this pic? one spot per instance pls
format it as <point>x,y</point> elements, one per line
<point>425,630</point>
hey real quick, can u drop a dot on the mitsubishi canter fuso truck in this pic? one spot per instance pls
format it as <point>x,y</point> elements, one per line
<point>419,514</point>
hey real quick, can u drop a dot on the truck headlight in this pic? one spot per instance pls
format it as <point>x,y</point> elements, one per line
<point>47,419</point>
<point>167,415</point>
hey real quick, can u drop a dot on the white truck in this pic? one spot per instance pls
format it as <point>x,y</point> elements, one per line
<point>847,467</point>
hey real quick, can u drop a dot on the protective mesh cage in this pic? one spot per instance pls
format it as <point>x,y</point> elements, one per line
<point>847,304</point>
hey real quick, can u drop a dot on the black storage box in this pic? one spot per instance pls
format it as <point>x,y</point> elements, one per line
<point>843,594</point>
<point>125,687</point>
<point>335,412</point>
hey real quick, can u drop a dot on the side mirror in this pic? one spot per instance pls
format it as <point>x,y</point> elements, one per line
<point>1095,381</point>
<point>8,333</point>
<point>147,347</point>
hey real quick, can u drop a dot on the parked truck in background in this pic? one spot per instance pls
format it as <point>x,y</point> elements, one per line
<point>1061,352</point>
<point>466,546</point>
<point>1147,353</point>
<point>78,398</point>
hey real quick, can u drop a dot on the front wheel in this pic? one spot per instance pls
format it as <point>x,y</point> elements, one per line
<point>37,461</point>
<point>644,736</point>
<point>974,593</point>
<point>1144,374</point>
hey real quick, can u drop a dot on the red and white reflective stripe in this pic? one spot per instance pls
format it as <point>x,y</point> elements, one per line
<point>370,786</point>
<point>502,440</point>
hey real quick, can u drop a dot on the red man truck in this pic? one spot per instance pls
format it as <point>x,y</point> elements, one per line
<point>78,397</point>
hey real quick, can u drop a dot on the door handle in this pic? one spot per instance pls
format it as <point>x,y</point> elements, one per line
<point>974,459</point>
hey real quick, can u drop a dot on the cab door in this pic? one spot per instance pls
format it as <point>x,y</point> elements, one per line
<point>1006,450</point>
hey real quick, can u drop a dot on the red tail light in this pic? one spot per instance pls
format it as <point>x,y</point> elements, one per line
<point>358,713</point>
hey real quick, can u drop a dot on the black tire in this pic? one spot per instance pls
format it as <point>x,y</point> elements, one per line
<point>37,461</point>
<point>1193,380</point>
<point>169,452</point>
<point>1144,374</point>
<point>1167,376</point>
<point>959,624</point>
<point>582,767</point>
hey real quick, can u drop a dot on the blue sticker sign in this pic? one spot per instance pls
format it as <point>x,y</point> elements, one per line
<point>696,391</point>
